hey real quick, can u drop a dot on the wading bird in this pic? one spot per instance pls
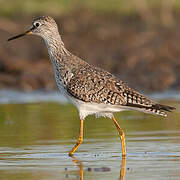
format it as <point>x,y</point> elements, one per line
<point>91,89</point>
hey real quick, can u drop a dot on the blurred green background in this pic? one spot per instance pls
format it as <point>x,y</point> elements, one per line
<point>59,7</point>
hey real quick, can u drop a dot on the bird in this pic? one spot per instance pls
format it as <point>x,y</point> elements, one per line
<point>92,90</point>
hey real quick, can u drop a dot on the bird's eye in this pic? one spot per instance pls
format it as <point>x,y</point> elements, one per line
<point>37,24</point>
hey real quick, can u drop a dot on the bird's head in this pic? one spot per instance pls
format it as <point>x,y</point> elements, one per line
<point>44,26</point>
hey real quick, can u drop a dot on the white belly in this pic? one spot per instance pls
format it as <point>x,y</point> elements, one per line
<point>87,108</point>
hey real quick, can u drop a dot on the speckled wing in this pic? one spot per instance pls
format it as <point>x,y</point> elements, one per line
<point>91,84</point>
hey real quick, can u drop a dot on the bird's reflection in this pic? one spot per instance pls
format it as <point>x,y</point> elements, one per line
<point>123,169</point>
<point>81,170</point>
<point>80,165</point>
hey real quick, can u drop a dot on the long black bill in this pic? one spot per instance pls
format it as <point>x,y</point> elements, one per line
<point>23,34</point>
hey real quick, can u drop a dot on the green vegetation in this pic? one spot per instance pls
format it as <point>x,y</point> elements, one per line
<point>57,7</point>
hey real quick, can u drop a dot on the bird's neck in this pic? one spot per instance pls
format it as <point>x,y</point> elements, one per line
<point>61,58</point>
<point>56,48</point>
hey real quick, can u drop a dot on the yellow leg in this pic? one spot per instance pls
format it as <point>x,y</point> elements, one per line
<point>80,139</point>
<point>122,137</point>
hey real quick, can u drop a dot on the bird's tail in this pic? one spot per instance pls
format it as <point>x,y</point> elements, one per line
<point>156,108</point>
<point>159,109</point>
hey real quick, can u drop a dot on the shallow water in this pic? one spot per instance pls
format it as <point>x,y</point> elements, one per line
<point>35,140</point>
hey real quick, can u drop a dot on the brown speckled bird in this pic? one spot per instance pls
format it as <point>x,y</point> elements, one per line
<point>91,89</point>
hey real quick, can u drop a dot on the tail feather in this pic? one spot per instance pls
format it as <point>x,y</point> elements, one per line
<point>163,107</point>
<point>158,109</point>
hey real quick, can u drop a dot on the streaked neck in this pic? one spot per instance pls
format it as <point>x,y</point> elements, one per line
<point>55,45</point>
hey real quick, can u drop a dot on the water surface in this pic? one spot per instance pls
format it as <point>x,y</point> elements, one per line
<point>35,139</point>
